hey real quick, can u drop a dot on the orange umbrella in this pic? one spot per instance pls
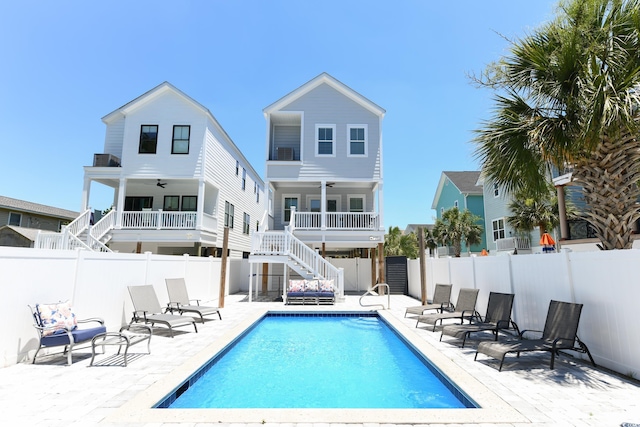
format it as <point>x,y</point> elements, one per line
<point>484,253</point>
<point>547,240</point>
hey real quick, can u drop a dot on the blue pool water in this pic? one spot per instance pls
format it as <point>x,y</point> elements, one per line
<point>317,362</point>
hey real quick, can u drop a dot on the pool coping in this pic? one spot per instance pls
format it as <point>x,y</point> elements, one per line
<point>492,409</point>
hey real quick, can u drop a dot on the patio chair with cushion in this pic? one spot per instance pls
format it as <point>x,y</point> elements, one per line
<point>560,333</point>
<point>147,309</point>
<point>57,325</point>
<point>498,318</point>
<point>179,300</point>
<point>465,308</point>
<point>441,301</point>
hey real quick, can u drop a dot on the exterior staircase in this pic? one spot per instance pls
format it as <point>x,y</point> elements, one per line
<point>79,234</point>
<point>285,248</point>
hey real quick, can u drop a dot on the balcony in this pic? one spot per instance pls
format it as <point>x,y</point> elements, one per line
<point>106,161</point>
<point>365,221</point>
<point>160,220</point>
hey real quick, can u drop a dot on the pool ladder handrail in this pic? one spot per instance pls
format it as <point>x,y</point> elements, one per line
<point>372,292</point>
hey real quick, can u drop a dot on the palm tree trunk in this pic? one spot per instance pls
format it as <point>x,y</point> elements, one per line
<point>609,179</point>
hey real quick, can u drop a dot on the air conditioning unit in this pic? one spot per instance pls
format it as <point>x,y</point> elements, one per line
<point>285,153</point>
<point>106,160</point>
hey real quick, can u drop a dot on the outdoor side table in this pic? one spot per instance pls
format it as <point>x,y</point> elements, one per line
<point>127,336</point>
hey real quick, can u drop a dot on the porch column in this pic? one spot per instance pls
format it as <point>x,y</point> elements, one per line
<point>323,205</point>
<point>200,208</point>
<point>380,205</point>
<point>562,213</point>
<point>86,191</point>
<point>122,187</point>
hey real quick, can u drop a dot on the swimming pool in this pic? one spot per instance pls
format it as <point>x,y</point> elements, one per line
<point>142,406</point>
<point>318,360</point>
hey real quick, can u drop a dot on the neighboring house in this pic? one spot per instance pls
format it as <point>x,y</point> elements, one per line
<point>324,172</point>
<point>20,221</point>
<point>178,180</point>
<point>461,190</point>
<point>500,236</point>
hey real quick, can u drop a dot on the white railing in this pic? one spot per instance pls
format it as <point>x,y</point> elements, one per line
<point>59,241</point>
<point>336,220</point>
<point>80,224</point>
<point>286,244</point>
<point>511,243</point>
<point>103,226</point>
<point>149,220</point>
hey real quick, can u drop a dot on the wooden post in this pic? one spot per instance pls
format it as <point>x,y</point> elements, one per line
<point>381,290</point>
<point>265,278</point>
<point>423,279</point>
<point>139,247</point>
<point>223,269</point>
<point>324,250</point>
<point>372,256</point>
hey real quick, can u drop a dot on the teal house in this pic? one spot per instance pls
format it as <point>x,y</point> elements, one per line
<point>461,190</point>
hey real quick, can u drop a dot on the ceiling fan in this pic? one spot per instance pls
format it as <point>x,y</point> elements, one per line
<point>161,184</point>
<point>328,184</point>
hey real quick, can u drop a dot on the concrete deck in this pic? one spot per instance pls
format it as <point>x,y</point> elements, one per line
<point>525,393</point>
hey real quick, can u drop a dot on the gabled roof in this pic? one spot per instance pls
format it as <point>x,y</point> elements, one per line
<point>168,87</point>
<point>24,206</point>
<point>465,181</point>
<point>324,78</point>
<point>150,95</point>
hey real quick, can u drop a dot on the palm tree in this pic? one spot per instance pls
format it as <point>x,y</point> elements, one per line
<point>396,243</point>
<point>567,94</point>
<point>455,226</point>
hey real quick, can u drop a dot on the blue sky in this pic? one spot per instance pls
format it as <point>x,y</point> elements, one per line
<point>66,64</point>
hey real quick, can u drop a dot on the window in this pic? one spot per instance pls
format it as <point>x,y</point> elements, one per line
<point>171,203</point>
<point>190,203</point>
<point>314,204</point>
<point>455,204</point>
<point>244,178</point>
<point>237,167</point>
<point>180,142</point>
<point>15,219</point>
<point>325,140</point>
<point>356,204</point>
<point>228,214</point>
<point>289,202</point>
<point>258,194</point>
<point>148,139</point>
<point>498,229</point>
<point>496,190</point>
<point>245,223</point>
<point>357,140</point>
<point>137,203</point>
<point>255,187</point>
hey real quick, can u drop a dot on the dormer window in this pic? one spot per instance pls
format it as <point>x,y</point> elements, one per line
<point>325,140</point>
<point>148,139</point>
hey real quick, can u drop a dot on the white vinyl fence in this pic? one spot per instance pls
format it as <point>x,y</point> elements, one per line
<point>96,283</point>
<point>606,282</point>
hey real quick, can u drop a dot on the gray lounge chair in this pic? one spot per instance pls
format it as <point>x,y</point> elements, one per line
<point>147,309</point>
<point>498,318</point>
<point>560,333</point>
<point>465,308</point>
<point>441,301</point>
<point>179,300</point>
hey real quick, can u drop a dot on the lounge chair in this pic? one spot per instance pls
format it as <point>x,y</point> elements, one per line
<point>179,300</point>
<point>57,325</point>
<point>147,309</point>
<point>560,333</point>
<point>441,301</point>
<point>465,308</point>
<point>498,318</point>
